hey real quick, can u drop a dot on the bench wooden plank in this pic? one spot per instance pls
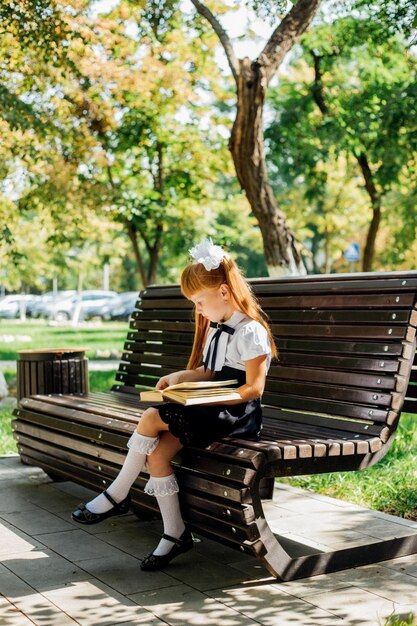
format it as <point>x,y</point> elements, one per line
<point>182,310</point>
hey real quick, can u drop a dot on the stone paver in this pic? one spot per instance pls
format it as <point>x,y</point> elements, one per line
<point>55,573</point>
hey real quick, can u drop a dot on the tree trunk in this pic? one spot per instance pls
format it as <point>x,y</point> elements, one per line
<point>375,197</point>
<point>136,230</point>
<point>246,141</point>
<point>131,231</point>
<point>248,151</point>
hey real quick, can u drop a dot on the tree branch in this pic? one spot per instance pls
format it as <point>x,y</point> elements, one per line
<point>222,35</point>
<point>284,36</point>
<point>146,240</point>
<point>368,177</point>
<point>317,89</point>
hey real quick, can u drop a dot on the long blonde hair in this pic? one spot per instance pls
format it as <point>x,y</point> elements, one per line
<point>196,278</point>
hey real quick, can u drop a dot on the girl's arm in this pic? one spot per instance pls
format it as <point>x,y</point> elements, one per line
<point>255,381</point>
<point>184,376</point>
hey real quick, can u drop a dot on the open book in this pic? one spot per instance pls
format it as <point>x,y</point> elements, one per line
<point>202,392</point>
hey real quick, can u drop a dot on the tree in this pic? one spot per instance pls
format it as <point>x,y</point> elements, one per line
<point>398,17</point>
<point>110,124</point>
<point>352,94</point>
<point>156,160</point>
<point>252,79</point>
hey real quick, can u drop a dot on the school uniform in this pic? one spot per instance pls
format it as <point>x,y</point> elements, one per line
<point>227,348</point>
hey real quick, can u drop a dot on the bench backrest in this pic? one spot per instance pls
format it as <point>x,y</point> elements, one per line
<point>346,347</point>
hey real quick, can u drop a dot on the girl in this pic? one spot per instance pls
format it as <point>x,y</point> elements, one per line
<point>233,340</point>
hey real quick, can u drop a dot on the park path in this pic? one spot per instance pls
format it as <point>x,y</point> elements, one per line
<point>55,573</point>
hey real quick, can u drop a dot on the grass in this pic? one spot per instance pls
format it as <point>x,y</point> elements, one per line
<point>100,338</point>
<point>401,620</point>
<point>7,443</point>
<point>389,486</point>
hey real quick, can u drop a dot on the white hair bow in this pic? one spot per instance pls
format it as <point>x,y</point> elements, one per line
<point>208,254</point>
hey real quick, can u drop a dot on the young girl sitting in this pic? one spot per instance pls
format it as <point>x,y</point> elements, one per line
<point>233,341</point>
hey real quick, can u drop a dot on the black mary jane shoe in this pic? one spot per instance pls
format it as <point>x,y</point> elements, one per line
<point>153,563</point>
<point>83,516</point>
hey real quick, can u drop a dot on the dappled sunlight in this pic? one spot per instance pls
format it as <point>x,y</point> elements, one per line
<point>59,572</point>
<point>323,534</point>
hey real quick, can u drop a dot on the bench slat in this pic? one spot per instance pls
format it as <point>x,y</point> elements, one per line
<point>249,532</point>
<point>328,392</point>
<point>82,425</point>
<point>158,336</point>
<point>340,362</point>
<point>386,333</point>
<point>156,325</point>
<point>69,406</point>
<point>232,512</point>
<point>356,427</point>
<point>371,282</point>
<point>353,379</point>
<point>212,488</point>
<point>327,407</point>
<point>383,349</point>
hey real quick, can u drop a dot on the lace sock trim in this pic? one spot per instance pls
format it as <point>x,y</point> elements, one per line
<point>164,486</point>
<point>142,444</point>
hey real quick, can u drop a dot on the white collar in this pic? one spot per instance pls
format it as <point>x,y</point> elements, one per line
<point>235,319</point>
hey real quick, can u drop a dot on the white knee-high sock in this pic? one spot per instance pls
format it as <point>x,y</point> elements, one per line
<point>139,447</point>
<point>166,491</point>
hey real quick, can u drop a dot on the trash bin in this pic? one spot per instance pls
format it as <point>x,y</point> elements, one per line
<point>52,370</point>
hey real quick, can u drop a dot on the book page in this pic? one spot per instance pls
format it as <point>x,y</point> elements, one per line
<point>151,396</point>
<point>195,400</point>
<point>202,384</point>
<point>197,392</point>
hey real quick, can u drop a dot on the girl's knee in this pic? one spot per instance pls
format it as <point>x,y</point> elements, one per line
<point>149,417</point>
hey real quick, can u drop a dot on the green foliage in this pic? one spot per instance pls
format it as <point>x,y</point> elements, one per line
<point>102,381</point>
<point>268,9</point>
<point>408,619</point>
<point>112,134</point>
<point>35,20</point>
<point>396,16</point>
<point>7,443</point>
<point>350,94</point>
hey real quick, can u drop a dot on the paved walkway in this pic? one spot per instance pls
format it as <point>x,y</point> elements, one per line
<point>56,573</point>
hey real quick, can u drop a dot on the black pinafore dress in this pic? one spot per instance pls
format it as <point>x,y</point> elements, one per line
<point>201,425</point>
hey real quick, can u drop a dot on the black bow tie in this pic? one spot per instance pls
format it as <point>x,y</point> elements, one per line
<point>212,349</point>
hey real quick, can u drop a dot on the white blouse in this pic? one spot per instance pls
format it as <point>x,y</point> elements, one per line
<point>249,340</point>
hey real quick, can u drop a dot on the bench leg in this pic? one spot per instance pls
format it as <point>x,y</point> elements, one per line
<point>288,560</point>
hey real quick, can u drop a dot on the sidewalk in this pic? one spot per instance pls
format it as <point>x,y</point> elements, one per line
<point>56,573</point>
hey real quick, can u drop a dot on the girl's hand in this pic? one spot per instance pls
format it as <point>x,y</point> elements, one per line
<point>167,381</point>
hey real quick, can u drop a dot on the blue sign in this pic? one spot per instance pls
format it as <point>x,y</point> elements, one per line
<point>352,253</point>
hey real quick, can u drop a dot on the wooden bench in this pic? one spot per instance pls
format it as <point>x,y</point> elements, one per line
<point>332,403</point>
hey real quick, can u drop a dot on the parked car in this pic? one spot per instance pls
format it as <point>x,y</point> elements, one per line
<point>96,307</point>
<point>120,307</point>
<point>88,301</point>
<point>41,306</point>
<point>12,305</point>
